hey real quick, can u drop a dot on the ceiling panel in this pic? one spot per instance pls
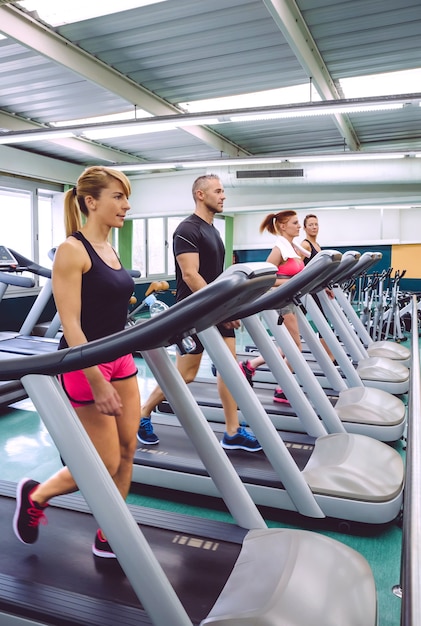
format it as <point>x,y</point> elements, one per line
<point>186,50</point>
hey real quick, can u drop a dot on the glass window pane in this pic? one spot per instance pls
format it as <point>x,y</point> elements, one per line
<point>139,246</point>
<point>156,246</point>
<point>17,204</point>
<point>45,229</point>
<point>173,222</point>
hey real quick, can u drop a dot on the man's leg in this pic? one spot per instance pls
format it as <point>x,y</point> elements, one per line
<point>228,403</point>
<point>188,366</point>
<point>235,437</point>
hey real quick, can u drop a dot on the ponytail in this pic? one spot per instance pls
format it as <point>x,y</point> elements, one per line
<point>271,221</point>
<point>90,183</point>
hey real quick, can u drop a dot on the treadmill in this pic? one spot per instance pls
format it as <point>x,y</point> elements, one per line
<point>361,410</point>
<point>375,371</point>
<point>24,342</point>
<point>11,390</point>
<point>179,570</point>
<point>319,473</point>
<point>373,348</point>
<point>357,366</point>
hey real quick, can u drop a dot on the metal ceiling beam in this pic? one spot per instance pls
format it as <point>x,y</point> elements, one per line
<point>22,27</point>
<point>89,148</point>
<point>290,22</point>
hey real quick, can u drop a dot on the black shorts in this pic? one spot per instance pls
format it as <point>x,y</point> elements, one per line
<point>225,332</point>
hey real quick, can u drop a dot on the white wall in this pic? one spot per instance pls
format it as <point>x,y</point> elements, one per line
<point>321,192</point>
<point>170,194</point>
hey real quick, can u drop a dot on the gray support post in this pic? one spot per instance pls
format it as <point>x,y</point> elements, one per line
<point>351,375</point>
<point>341,326</point>
<point>217,464</point>
<point>318,351</point>
<point>303,371</point>
<point>273,446</point>
<point>37,309</point>
<point>54,327</point>
<point>283,375</point>
<point>134,554</point>
<point>352,316</point>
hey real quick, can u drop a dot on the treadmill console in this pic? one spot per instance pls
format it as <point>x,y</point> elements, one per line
<point>7,260</point>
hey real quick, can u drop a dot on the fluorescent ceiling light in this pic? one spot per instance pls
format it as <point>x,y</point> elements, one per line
<point>318,111</point>
<point>125,131</point>
<point>112,117</point>
<point>248,161</point>
<point>143,129</point>
<point>382,206</point>
<point>145,167</point>
<point>348,156</point>
<point>57,13</point>
<point>270,97</point>
<point>388,84</point>
<point>33,136</point>
<point>170,122</point>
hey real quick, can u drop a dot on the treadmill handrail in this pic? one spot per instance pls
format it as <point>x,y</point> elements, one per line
<point>202,309</point>
<point>349,260</point>
<point>30,266</point>
<point>365,261</point>
<point>16,280</point>
<point>309,279</point>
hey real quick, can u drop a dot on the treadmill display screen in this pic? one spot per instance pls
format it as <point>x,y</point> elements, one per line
<point>6,258</point>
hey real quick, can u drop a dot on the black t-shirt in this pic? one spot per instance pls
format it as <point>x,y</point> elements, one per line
<point>195,235</point>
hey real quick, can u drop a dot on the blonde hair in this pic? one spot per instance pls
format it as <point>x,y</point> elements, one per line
<point>90,183</point>
<point>271,221</point>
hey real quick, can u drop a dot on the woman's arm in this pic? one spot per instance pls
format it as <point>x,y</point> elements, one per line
<point>275,257</point>
<point>70,262</point>
<point>304,244</point>
<point>69,265</point>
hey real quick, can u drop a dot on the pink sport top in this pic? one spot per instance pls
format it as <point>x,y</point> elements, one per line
<point>292,266</point>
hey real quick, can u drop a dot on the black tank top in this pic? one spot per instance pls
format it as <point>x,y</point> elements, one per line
<point>105,297</point>
<point>313,252</point>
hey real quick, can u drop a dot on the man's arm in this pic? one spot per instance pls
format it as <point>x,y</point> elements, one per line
<point>189,266</point>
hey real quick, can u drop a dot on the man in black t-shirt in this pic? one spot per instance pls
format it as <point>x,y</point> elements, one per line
<point>199,258</point>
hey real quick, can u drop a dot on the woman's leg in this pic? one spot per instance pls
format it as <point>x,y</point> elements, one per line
<point>113,438</point>
<point>127,424</point>
<point>291,324</point>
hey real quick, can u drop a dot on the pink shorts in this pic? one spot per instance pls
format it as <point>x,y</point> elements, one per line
<point>76,385</point>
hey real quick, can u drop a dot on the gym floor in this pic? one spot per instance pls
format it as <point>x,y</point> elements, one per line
<point>27,450</point>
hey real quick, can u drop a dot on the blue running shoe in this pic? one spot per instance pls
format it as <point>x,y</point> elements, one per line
<point>242,440</point>
<point>145,434</point>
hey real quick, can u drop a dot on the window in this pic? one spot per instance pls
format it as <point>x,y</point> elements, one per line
<point>29,219</point>
<point>16,209</point>
<point>139,246</point>
<point>152,245</point>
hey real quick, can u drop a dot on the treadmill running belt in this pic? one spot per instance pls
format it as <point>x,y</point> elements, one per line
<point>175,452</point>
<point>59,576</point>
<point>28,345</point>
